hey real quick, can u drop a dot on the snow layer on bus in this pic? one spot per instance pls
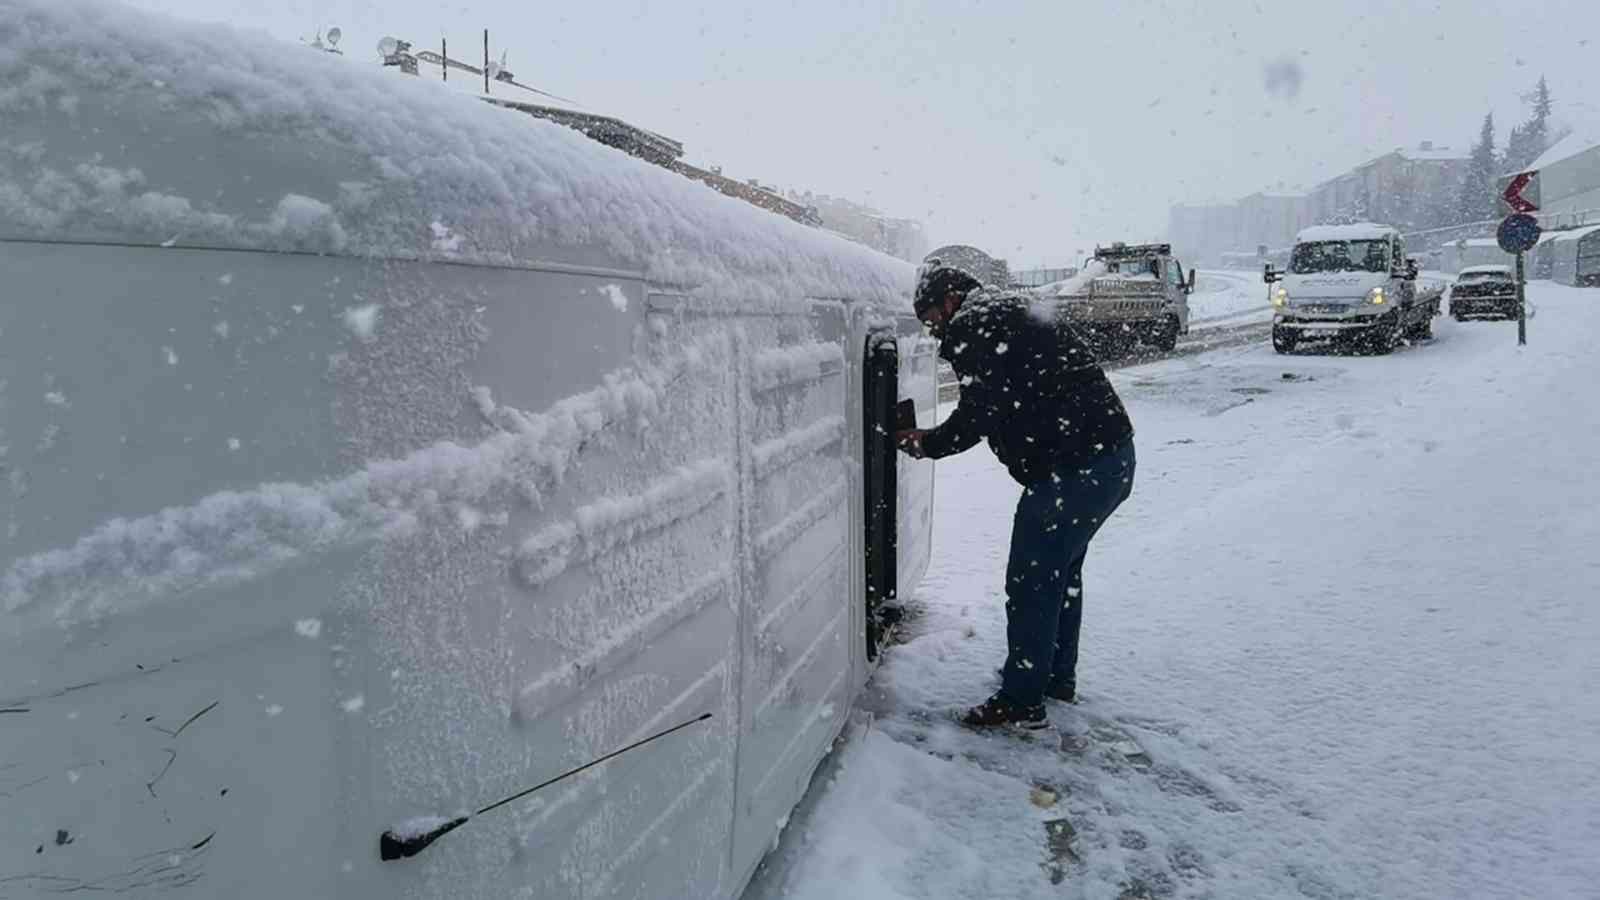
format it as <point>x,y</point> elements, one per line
<point>232,536</point>
<point>128,126</point>
<point>786,365</point>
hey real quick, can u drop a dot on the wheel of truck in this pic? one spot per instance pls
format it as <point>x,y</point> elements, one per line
<point>1167,336</point>
<point>1422,329</point>
<point>1386,336</point>
<point>1283,340</point>
<point>1117,343</point>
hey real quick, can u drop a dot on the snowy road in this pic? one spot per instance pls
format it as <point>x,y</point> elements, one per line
<point>1340,643</point>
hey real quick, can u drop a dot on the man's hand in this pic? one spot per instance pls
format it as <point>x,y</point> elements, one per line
<point>910,442</point>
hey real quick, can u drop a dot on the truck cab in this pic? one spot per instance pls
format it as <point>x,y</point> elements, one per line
<point>1127,294</point>
<point>1350,285</point>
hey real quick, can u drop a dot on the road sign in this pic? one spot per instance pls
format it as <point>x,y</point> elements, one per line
<point>1518,233</point>
<point>1520,193</point>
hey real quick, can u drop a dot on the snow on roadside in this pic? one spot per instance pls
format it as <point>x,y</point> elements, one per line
<point>1227,296</point>
<point>937,828</point>
<point>1339,644</point>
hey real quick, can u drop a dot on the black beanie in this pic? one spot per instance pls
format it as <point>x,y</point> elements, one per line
<point>937,280</point>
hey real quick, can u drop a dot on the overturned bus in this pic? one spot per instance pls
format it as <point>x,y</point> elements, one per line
<point>372,454</point>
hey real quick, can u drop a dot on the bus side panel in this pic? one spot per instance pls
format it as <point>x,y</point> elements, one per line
<point>614,611</point>
<point>798,673</point>
<point>307,546</point>
<point>174,658</point>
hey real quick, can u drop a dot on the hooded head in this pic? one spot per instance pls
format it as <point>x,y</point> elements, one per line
<point>940,288</point>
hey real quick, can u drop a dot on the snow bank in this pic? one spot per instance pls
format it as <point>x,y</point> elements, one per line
<point>935,829</point>
<point>130,126</point>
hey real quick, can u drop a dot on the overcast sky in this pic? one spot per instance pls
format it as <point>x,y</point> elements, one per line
<point>1029,129</point>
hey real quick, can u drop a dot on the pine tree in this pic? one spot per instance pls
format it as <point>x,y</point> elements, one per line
<point>1476,201</point>
<point>1536,131</point>
<point>1438,206</point>
<point>1530,139</point>
<point>1518,150</point>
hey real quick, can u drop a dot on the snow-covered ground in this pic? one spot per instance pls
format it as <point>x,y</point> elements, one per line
<point>1342,642</point>
<point>1228,297</point>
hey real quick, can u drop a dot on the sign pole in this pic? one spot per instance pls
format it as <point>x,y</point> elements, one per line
<point>1518,233</point>
<point>1522,302</point>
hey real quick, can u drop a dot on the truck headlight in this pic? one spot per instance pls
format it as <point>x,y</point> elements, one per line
<point>1376,295</point>
<point>1280,296</point>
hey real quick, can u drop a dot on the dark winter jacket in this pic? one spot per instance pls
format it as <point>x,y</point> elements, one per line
<point>1028,384</point>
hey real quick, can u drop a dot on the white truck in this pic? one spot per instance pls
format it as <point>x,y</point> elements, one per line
<point>1351,286</point>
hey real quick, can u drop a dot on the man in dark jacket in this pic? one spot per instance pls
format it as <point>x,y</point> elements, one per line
<point>1035,391</point>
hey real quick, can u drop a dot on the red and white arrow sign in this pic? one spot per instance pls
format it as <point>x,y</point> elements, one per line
<point>1514,194</point>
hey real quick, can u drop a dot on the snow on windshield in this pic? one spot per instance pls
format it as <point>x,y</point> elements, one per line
<point>1340,256</point>
<point>1130,269</point>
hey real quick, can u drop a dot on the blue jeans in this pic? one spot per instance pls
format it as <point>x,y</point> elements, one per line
<point>1056,518</point>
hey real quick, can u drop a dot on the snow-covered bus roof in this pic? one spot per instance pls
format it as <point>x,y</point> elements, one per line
<point>127,126</point>
<point>1360,231</point>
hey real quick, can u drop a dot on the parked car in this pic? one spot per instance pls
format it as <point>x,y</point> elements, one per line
<point>1484,292</point>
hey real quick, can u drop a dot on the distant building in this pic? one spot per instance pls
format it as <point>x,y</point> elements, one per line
<point>900,238</point>
<point>1411,189</point>
<point>1569,180</point>
<point>1204,232</point>
<point>1271,219</point>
